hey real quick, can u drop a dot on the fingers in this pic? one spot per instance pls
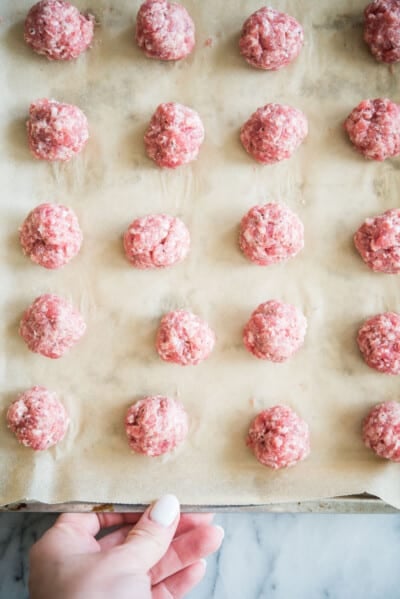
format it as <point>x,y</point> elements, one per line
<point>149,540</point>
<point>189,521</point>
<point>178,585</point>
<point>115,538</point>
<point>186,523</point>
<point>186,550</point>
<point>92,523</point>
<point>75,533</point>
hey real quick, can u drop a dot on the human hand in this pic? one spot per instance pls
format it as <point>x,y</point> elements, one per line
<point>157,555</point>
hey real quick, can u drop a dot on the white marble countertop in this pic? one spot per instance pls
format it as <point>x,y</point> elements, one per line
<point>277,556</point>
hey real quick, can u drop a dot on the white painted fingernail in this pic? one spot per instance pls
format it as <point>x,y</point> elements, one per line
<point>203,561</point>
<point>165,510</point>
<point>221,529</point>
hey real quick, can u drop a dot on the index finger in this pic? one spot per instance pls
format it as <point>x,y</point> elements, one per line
<point>189,521</point>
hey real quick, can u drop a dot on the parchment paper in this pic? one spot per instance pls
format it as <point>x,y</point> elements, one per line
<point>327,183</point>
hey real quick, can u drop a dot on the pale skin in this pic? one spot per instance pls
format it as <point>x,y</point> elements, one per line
<point>155,555</point>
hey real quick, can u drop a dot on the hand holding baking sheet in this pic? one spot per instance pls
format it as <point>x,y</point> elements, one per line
<point>155,555</point>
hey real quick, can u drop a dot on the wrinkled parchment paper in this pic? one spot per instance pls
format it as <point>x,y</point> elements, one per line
<point>327,183</point>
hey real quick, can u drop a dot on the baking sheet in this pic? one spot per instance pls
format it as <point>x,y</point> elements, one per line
<point>326,183</point>
<point>350,504</point>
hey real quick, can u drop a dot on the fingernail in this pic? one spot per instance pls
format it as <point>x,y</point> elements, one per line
<point>203,561</point>
<point>165,510</point>
<point>221,529</point>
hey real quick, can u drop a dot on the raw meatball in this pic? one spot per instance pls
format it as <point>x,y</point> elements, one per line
<point>378,241</point>
<point>270,234</point>
<point>270,39</point>
<point>374,128</point>
<point>279,437</point>
<point>50,235</point>
<point>379,342</point>
<point>164,30</point>
<point>275,331</point>
<point>51,326</point>
<point>56,131</point>
<point>184,338</point>
<point>156,241</point>
<point>37,418</point>
<point>58,30</point>
<point>273,133</point>
<point>382,29</point>
<point>174,135</point>
<point>381,430</point>
<point>156,425</point>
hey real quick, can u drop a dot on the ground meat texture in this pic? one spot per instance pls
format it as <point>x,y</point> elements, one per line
<point>156,241</point>
<point>374,128</point>
<point>378,242</point>
<point>56,131</point>
<point>184,338</point>
<point>379,342</point>
<point>381,430</point>
<point>279,438</point>
<point>174,135</point>
<point>270,234</point>
<point>51,326</point>
<point>50,235</point>
<point>57,30</point>
<point>382,29</point>
<point>275,331</point>
<point>164,30</point>
<point>270,39</point>
<point>273,133</point>
<point>37,418</point>
<point>156,425</point>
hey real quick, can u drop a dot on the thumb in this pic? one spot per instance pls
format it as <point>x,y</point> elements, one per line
<point>150,538</point>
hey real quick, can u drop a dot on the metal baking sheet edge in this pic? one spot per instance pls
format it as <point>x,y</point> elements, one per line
<point>352,504</point>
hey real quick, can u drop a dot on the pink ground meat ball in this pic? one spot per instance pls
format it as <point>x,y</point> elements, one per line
<point>156,241</point>
<point>273,133</point>
<point>37,418</point>
<point>378,242</point>
<point>279,437</point>
<point>58,30</point>
<point>379,342</point>
<point>51,326</point>
<point>270,39</point>
<point>156,425</point>
<point>174,135</point>
<point>382,29</point>
<point>164,30</point>
<point>374,128</point>
<point>50,235</point>
<point>184,338</point>
<point>56,131</point>
<point>275,331</point>
<point>381,430</point>
<point>270,234</point>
